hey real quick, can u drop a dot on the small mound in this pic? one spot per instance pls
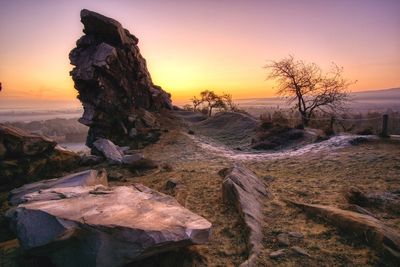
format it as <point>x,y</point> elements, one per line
<point>190,116</point>
<point>230,128</point>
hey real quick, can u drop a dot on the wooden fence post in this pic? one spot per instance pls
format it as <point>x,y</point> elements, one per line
<point>385,119</point>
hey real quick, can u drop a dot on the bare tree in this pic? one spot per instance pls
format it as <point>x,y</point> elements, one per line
<point>308,87</point>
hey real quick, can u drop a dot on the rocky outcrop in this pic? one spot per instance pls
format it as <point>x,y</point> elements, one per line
<point>25,157</point>
<point>101,226</point>
<point>381,237</point>
<point>114,85</point>
<point>246,191</point>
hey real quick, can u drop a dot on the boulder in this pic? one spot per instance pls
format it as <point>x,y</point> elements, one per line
<point>114,85</point>
<point>379,236</point>
<point>100,226</point>
<point>109,150</point>
<point>132,159</point>
<point>387,201</point>
<point>87,160</point>
<point>26,157</point>
<point>17,142</point>
<point>244,189</point>
<point>84,178</point>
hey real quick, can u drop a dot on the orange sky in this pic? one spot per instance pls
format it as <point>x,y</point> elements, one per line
<point>191,46</point>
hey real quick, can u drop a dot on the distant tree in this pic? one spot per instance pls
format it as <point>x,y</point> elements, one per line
<point>196,103</point>
<point>308,87</point>
<point>230,105</point>
<point>211,101</point>
<point>188,107</point>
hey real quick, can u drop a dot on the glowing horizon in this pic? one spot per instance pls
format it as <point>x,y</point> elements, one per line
<point>193,46</point>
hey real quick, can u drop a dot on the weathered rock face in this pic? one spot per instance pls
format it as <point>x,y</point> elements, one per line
<point>101,226</point>
<point>25,157</point>
<point>114,85</point>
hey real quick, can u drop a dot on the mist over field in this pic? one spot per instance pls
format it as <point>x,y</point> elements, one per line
<point>59,121</point>
<point>365,101</point>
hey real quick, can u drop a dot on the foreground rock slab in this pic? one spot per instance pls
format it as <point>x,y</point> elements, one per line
<point>247,192</point>
<point>369,229</point>
<point>100,226</point>
<point>114,85</point>
<point>84,178</point>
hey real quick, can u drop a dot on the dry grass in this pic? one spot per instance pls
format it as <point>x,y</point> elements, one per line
<point>323,179</point>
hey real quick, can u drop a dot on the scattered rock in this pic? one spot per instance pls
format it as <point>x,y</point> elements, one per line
<point>148,118</point>
<point>109,150</point>
<point>243,189</point>
<point>89,160</point>
<point>26,157</point>
<point>171,184</point>
<point>369,229</point>
<point>277,254</point>
<point>385,200</point>
<point>295,234</point>
<point>167,167</point>
<point>224,172</point>
<point>300,251</point>
<point>268,178</point>
<point>84,178</point>
<point>123,149</point>
<point>133,133</point>
<point>94,226</point>
<point>283,239</point>
<point>16,142</point>
<point>143,164</point>
<point>115,175</point>
<point>114,85</point>
<point>132,158</point>
<point>191,132</point>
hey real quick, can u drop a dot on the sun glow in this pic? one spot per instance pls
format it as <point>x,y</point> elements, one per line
<point>202,45</point>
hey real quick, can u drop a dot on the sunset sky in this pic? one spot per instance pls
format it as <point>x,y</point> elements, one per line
<point>195,45</point>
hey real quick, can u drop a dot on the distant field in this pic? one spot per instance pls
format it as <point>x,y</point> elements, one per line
<point>379,100</point>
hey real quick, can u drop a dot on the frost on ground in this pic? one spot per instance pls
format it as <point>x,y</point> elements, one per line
<point>331,144</point>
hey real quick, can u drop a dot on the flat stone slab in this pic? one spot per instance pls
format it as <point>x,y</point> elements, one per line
<point>100,226</point>
<point>247,192</point>
<point>379,236</point>
<point>84,178</point>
